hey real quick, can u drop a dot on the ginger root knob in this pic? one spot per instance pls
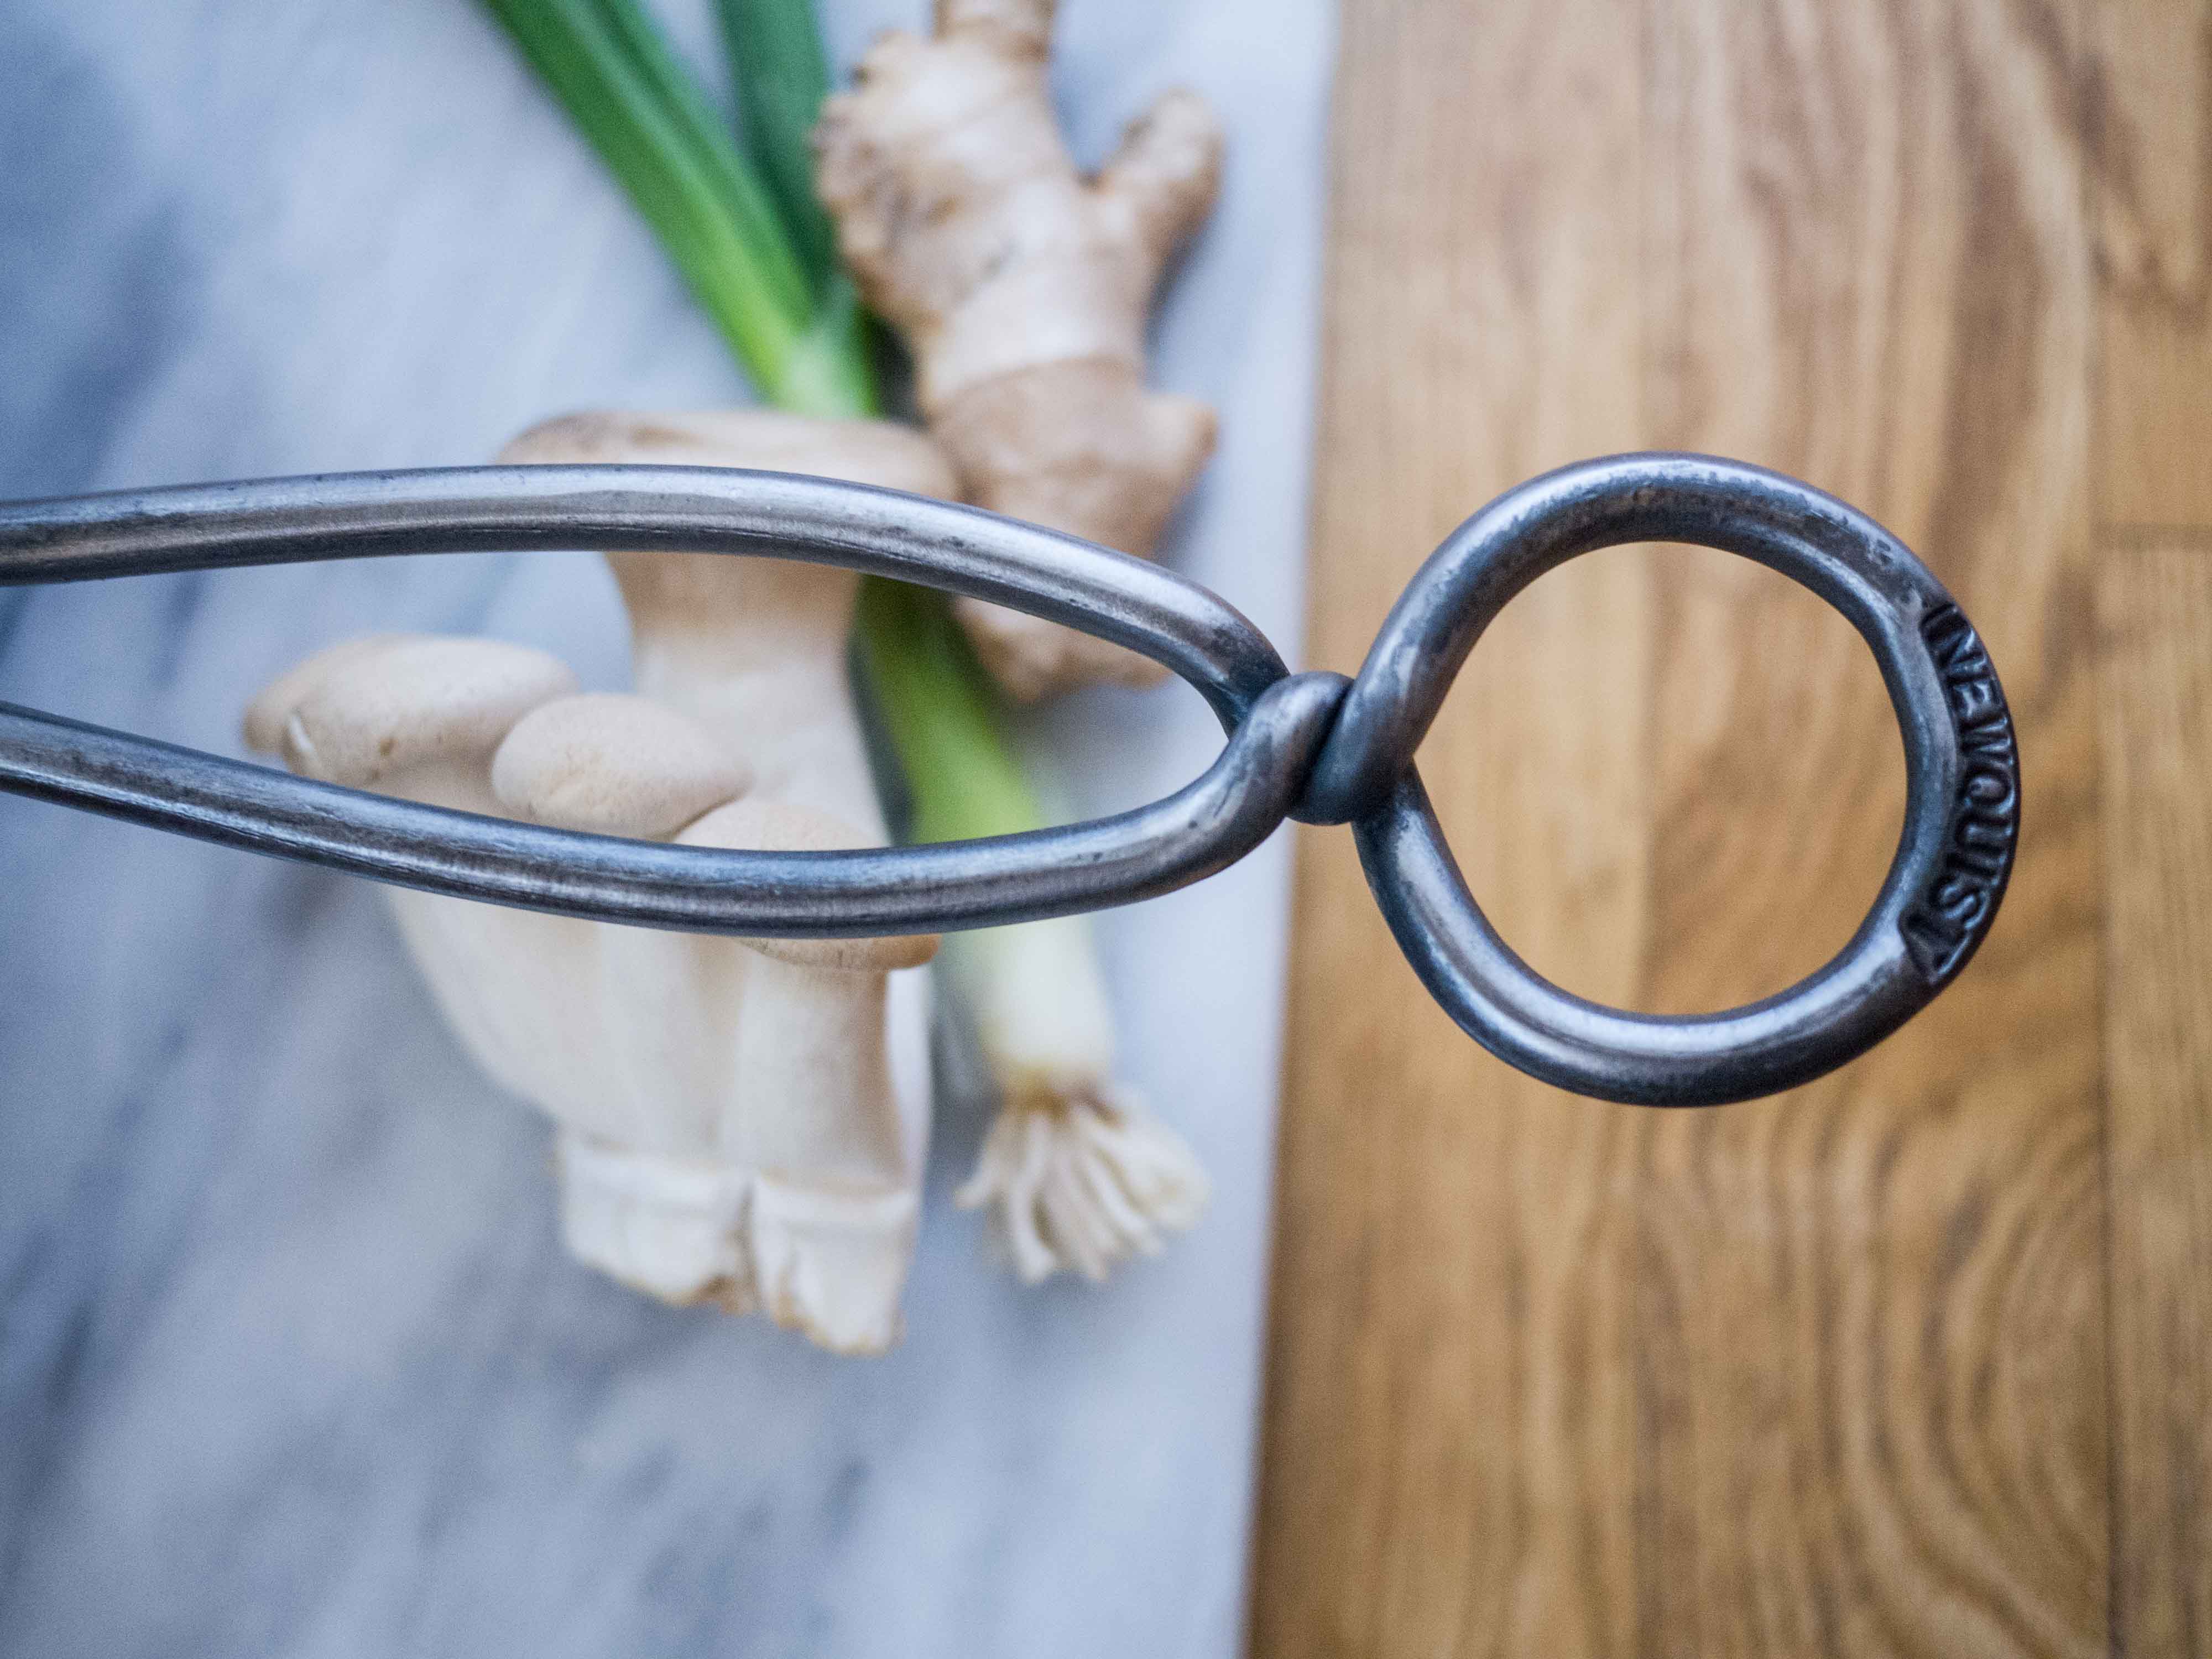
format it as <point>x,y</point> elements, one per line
<point>1021,288</point>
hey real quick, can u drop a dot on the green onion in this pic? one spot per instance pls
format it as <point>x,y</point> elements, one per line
<point>777,62</point>
<point>604,61</point>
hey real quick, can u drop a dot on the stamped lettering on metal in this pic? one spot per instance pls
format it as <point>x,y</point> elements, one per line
<point>1953,912</point>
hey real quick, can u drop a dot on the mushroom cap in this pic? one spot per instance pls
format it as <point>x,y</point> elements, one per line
<point>780,826</point>
<point>674,595</point>
<point>879,452</point>
<point>271,711</point>
<point>614,765</point>
<point>370,708</point>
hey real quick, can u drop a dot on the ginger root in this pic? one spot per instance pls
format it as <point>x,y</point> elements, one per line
<point>1021,288</point>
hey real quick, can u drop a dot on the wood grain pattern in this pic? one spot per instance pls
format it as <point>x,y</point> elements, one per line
<point>1870,1312</point>
<point>1444,1450</point>
<point>2153,221</point>
<point>1824,1375</point>
<point>2157,612</point>
<point>2153,216</point>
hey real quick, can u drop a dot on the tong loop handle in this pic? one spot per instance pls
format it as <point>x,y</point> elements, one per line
<point>1312,746</point>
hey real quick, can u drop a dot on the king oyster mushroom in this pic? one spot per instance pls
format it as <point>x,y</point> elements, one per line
<point>740,1121</point>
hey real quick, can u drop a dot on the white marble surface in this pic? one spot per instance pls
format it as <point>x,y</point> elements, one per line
<point>290,1359</point>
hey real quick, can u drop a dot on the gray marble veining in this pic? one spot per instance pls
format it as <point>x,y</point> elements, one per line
<point>291,1360</point>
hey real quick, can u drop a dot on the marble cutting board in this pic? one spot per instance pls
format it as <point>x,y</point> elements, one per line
<point>291,1360</point>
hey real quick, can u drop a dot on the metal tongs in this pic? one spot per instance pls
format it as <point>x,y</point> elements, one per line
<point>1315,747</point>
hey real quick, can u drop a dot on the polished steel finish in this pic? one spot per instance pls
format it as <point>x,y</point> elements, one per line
<point>1962,793</point>
<point>1313,745</point>
<point>677,509</point>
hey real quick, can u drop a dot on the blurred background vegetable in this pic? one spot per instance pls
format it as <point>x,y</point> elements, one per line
<point>1075,1174</point>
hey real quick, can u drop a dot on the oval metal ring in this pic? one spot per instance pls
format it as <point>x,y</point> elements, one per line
<point>1275,724</point>
<point>1962,799</point>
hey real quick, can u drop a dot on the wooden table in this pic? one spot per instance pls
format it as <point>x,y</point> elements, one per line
<point>1917,1359</point>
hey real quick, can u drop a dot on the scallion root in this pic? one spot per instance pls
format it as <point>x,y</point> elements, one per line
<point>1082,1185</point>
